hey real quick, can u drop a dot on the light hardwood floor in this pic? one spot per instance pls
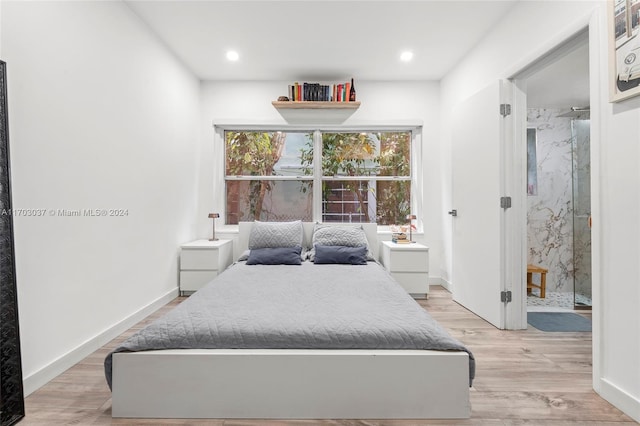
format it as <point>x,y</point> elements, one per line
<point>524,377</point>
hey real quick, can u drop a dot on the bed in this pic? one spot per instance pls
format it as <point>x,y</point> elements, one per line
<point>303,341</point>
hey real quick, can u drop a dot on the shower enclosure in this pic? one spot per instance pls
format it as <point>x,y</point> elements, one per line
<point>559,205</point>
<point>581,185</point>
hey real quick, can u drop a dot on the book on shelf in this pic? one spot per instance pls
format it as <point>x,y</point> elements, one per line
<point>316,92</point>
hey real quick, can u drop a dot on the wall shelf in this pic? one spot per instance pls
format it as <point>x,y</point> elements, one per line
<point>310,112</point>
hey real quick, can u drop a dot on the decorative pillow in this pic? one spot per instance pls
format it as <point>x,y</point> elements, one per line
<point>340,254</point>
<point>275,256</point>
<point>245,255</point>
<point>275,234</point>
<point>339,235</point>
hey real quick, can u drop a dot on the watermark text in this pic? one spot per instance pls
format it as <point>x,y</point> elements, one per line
<point>65,212</point>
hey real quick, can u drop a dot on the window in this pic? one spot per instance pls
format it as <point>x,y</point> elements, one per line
<point>265,178</point>
<point>324,176</point>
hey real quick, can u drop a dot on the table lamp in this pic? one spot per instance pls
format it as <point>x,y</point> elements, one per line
<point>410,218</point>
<point>214,216</point>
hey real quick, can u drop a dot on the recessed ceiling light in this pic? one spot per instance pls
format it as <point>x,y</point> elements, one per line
<point>406,56</point>
<point>232,55</point>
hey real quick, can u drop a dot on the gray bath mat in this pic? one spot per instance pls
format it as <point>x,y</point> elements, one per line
<point>558,321</point>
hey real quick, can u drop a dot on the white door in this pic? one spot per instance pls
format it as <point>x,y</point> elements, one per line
<point>477,187</point>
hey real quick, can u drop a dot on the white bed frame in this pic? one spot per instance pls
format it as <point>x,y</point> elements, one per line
<point>291,384</point>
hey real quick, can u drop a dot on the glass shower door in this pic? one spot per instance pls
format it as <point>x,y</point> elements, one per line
<point>581,212</point>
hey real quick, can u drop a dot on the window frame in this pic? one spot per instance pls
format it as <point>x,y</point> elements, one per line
<point>416,176</point>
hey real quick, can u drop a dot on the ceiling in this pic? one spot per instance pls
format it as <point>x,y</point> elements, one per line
<point>320,40</point>
<point>313,40</point>
<point>563,83</point>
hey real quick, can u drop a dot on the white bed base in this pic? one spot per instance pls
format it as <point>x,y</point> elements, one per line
<point>292,384</point>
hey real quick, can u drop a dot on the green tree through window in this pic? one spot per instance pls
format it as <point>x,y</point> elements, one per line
<point>365,176</point>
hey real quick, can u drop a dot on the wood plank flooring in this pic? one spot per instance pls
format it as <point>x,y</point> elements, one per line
<point>526,377</point>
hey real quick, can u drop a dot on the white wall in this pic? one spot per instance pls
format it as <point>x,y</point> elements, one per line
<point>530,29</point>
<point>101,117</point>
<point>383,103</point>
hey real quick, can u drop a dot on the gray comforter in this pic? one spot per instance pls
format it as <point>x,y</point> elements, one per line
<point>296,307</point>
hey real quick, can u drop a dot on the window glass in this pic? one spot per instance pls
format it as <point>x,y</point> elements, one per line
<point>266,153</point>
<point>393,202</point>
<point>347,201</point>
<point>269,200</point>
<point>395,154</point>
<point>376,156</point>
<point>364,176</point>
<point>366,154</point>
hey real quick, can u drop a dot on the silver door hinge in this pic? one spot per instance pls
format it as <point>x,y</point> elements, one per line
<point>505,296</point>
<point>505,202</point>
<point>505,109</point>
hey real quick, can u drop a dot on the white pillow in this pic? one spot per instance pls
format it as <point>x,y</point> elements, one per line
<point>339,235</point>
<point>275,234</point>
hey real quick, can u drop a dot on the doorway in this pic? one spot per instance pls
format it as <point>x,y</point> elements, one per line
<point>558,181</point>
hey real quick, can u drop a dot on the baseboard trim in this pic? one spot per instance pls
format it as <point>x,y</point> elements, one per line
<point>41,377</point>
<point>440,281</point>
<point>627,403</point>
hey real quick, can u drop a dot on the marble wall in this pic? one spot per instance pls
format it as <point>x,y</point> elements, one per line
<point>550,211</point>
<point>558,234</point>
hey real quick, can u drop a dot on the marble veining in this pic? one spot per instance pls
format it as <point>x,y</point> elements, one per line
<point>550,212</point>
<point>558,234</point>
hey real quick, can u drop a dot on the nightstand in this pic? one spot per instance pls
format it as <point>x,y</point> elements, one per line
<point>408,264</point>
<point>201,261</point>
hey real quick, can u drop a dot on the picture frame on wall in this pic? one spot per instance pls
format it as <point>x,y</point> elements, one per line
<point>624,49</point>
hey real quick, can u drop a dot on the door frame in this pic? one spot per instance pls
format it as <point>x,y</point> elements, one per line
<point>516,172</point>
<point>516,241</point>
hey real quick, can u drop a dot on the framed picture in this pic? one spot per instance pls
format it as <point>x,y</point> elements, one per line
<point>624,49</point>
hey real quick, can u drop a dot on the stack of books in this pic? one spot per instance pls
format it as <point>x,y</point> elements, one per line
<point>299,92</point>
<point>400,238</point>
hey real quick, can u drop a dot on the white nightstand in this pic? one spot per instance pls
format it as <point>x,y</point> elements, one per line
<point>201,261</point>
<point>408,264</point>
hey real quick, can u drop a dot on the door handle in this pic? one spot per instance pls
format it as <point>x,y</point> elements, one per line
<point>453,212</point>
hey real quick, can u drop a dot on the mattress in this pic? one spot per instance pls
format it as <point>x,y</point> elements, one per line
<point>296,307</point>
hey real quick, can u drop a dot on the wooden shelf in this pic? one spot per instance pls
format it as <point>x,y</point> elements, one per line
<point>309,112</point>
<point>315,105</point>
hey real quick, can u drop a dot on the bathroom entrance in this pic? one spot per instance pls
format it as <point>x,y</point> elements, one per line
<point>558,184</point>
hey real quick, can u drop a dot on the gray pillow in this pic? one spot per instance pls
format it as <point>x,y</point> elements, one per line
<point>275,256</point>
<point>245,255</point>
<point>339,235</point>
<point>275,234</point>
<point>341,255</point>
